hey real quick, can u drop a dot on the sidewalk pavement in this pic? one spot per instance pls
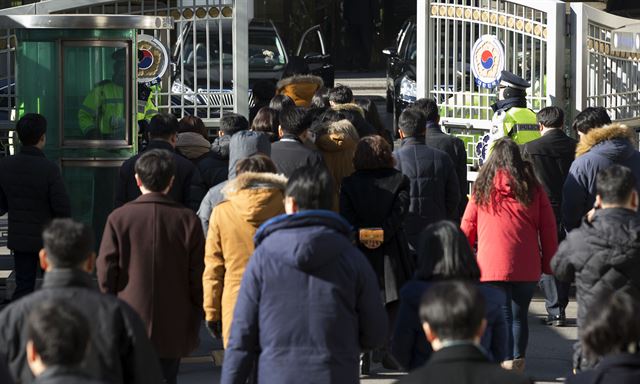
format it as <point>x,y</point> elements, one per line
<point>548,357</point>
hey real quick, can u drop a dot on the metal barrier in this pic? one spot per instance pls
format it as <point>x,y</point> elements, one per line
<point>209,45</point>
<point>603,76</point>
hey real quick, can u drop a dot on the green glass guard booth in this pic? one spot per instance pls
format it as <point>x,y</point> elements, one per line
<point>80,72</point>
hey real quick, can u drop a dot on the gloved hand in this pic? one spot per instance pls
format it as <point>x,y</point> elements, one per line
<point>215,329</point>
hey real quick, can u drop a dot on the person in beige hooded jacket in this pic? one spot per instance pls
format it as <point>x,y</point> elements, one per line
<point>253,197</point>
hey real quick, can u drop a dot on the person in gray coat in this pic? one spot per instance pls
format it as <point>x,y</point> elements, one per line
<point>243,144</point>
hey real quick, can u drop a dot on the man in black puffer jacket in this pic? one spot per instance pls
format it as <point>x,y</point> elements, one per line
<point>603,254</point>
<point>452,145</point>
<point>119,351</point>
<point>33,192</point>
<point>435,191</point>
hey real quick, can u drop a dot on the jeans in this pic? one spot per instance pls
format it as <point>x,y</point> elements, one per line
<point>556,294</point>
<point>516,311</point>
<point>26,266</point>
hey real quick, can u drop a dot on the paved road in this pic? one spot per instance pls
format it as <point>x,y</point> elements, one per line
<point>548,361</point>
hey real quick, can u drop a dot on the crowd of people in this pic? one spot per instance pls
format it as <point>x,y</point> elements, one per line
<point>311,247</point>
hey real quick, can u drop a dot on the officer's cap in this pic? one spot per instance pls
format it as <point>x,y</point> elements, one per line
<point>119,55</point>
<point>508,79</point>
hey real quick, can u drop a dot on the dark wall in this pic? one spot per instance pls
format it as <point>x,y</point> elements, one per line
<point>293,17</point>
<point>626,8</point>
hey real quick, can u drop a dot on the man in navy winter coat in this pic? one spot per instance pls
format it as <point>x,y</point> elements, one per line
<point>452,145</point>
<point>309,300</point>
<point>600,147</point>
<point>435,190</point>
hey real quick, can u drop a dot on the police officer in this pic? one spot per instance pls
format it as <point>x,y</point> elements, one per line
<point>511,116</point>
<point>103,113</point>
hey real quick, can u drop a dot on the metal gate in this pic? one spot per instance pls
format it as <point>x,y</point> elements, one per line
<point>209,70</point>
<point>603,76</point>
<point>532,35</point>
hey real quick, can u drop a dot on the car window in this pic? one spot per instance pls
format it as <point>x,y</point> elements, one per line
<point>411,44</point>
<point>404,41</point>
<point>311,45</point>
<point>401,33</point>
<point>266,51</point>
<point>207,47</point>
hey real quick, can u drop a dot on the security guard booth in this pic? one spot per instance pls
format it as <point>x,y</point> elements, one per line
<point>80,72</point>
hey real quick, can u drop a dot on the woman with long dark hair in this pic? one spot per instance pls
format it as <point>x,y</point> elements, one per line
<point>444,254</point>
<point>510,218</point>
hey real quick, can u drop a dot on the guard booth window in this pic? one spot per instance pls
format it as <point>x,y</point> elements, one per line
<point>95,90</point>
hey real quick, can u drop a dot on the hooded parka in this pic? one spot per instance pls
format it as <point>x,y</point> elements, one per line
<point>250,200</point>
<point>308,305</point>
<point>300,88</point>
<point>598,149</point>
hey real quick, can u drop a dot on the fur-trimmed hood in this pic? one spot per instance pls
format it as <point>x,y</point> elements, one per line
<point>300,88</point>
<point>256,197</point>
<point>607,133</point>
<point>300,79</point>
<point>353,107</point>
<point>255,180</point>
<point>337,136</point>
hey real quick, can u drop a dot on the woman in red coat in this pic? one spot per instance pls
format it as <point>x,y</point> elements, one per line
<point>510,218</point>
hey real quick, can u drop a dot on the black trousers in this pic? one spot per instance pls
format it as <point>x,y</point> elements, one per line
<point>25,266</point>
<point>170,369</point>
<point>360,44</point>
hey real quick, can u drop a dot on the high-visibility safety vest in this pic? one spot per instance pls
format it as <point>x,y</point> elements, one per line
<point>103,110</point>
<point>518,123</point>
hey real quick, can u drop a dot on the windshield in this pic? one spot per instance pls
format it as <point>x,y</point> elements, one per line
<point>209,49</point>
<point>265,51</point>
<point>213,53</point>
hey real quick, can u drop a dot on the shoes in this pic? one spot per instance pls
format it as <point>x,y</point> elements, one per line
<point>377,355</point>
<point>556,321</point>
<point>388,362</point>
<point>516,365</point>
<point>365,363</point>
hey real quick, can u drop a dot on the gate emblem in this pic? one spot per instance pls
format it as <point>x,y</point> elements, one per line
<point>145,59</point>
<point>487,61</point>
<point>153,59</point>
